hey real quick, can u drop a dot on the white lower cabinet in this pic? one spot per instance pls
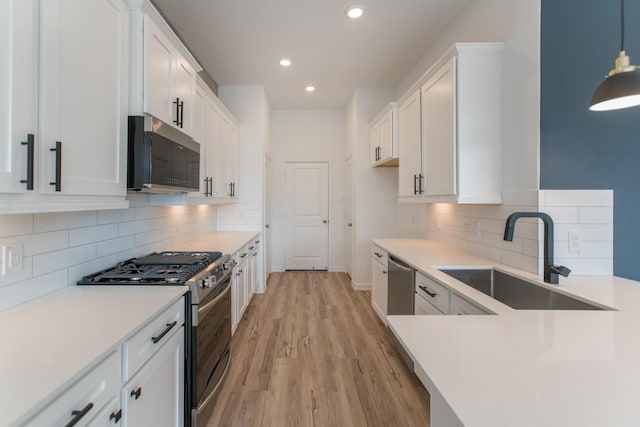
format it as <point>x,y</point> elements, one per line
<point>460,306</point>
<point>83,400</point>
<point>140,384</point>
<point>422,306</point>
<point>379,284</point>
<point>109,416</point>
<point>154,396</point>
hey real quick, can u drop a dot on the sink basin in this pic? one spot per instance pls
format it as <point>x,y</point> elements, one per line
<point>517,293</point>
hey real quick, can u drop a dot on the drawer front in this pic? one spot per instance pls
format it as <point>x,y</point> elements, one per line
<point>243,253</point>
<point>139,348</point>
<point>423,306</point>
<point>86,398</point>
<point>461,306</point>
<point>380,255</point>
<point>434,292</point>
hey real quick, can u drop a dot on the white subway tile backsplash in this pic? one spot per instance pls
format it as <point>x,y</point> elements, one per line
<point>65,246</point>
<point>113,216</point>
<point>589,212</point>
<point>33,288</point>
<point>40,243</point>
<point>588,232</point>
<point>86,235</point>
<point>13,225</point>
<point>63,220</point>
<point>563,215</point>
<point>52,261</point>
<point>113,246</point>
<point>576,198</point>
<point>593,215</point>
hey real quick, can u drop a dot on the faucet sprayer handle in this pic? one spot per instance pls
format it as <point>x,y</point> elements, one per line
<point>561,270</point>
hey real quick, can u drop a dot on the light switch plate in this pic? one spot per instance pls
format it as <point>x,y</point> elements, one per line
<point>575,241</point>
<point>11,259</point>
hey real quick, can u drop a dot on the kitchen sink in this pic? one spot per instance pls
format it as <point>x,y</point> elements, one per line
<point>517,293</point>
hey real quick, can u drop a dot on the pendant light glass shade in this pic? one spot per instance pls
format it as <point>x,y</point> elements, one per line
<point>621,88</point>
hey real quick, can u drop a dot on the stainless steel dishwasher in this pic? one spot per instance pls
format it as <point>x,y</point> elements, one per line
<point>400,291</point>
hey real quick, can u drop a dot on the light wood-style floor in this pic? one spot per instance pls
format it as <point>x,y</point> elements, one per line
<point>311,352</point>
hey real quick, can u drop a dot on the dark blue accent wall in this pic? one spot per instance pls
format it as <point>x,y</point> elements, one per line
<point>580,149</point>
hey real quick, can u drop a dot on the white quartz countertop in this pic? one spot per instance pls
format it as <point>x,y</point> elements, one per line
<point>526,367</point>
<point>49,343</point>
<point>226,242</point>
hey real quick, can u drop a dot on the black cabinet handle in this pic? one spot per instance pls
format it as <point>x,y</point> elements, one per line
<point>58,182</point>
<point>30,145</point>
<point>251,248</point>
<point>177,104</point>
<point>136,393</point>
<point>77,415</point>
<point>115,416</point>
<point>415,184</point>
<point>181,114</point>
<point>420,179</point>
<point>157,338</point>
<point>210,186</point>
<point>206,187</point>
<point>257,241</point>
<point>431,294</point>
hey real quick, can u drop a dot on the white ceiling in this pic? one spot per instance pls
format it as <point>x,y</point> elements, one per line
<point>239,42</point>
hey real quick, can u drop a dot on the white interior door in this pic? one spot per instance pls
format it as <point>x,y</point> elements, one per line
<point>306,216</point>
<point>348,214</point>
<point>267,218</point>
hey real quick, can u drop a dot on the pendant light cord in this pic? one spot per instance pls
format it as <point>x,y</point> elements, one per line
<point>621,25</point>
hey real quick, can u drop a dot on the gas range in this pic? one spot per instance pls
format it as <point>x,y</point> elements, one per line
<point>201,271</point>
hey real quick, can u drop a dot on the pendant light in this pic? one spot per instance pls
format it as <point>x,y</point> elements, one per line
<point>621,87</point>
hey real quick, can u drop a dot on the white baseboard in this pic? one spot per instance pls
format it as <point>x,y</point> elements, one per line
<point>361,286</point>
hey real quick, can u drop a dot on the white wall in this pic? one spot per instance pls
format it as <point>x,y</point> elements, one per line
<point>308,136</point>
<point>250,107</point>
<point>60,248</point>
<point>516,22</point>
<point>376,212</point>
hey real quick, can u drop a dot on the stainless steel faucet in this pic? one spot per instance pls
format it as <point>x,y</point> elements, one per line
<point>551,271</point>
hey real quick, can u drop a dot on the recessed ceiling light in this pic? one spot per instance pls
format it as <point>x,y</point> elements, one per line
<point>354,12</point>
<point>310,88</point>
<point>285,62</point>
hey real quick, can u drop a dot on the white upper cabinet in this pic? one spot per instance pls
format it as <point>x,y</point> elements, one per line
<point>438,133</point>
<point>64,88</point>
<point>216,131</point>
<point>459,133</point>
<point>383,140</point>
<point>228,166</point>
<point>18,94</point>
<point>410,146</point>
<point>84,96</point>
<point>169,80</point>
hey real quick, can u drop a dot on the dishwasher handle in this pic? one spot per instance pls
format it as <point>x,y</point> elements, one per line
<point>399,264</point>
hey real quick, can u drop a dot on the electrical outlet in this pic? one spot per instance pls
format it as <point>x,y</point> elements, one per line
<point>575,241</point>
<point>11,259</point>
<point>472,228</point>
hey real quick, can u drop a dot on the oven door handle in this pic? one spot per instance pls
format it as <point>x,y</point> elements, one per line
<point>216,299</point>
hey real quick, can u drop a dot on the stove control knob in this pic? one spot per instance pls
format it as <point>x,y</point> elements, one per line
<point>203,283</point>
<point>213,279</point>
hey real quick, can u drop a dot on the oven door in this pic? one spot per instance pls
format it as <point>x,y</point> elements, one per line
<point>213,338</point>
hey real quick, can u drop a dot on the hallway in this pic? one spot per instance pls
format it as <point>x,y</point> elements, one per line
<point>311,352</point>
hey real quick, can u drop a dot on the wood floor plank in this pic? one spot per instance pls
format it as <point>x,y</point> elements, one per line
<point>312,352</point>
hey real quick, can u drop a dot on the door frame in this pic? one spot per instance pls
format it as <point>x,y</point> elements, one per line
<point>283,236</point>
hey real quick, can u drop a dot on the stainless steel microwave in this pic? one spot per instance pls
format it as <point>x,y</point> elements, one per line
<point>161,159</point>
